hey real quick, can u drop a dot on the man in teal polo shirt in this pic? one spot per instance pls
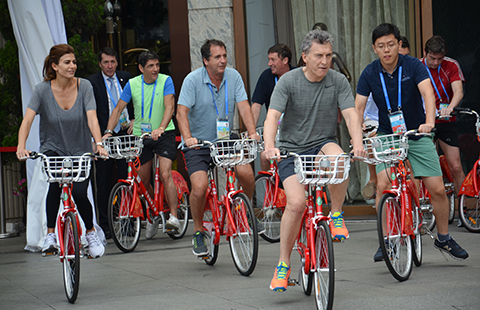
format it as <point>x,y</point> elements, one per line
<point>153,97</point>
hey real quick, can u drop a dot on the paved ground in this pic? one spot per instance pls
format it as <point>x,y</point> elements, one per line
<point>164,274</point>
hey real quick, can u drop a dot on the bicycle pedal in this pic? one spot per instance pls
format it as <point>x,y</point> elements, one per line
<point>51,253</point>
<point>292,282</point>
<point>203,257</point>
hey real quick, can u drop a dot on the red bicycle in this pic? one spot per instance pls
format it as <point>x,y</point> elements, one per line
<point>231,214</point>
<point>314,242</point>
<point>129,201</point>
<point>67,170</point>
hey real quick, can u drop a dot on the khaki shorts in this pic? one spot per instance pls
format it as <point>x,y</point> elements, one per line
<point>423,157</point>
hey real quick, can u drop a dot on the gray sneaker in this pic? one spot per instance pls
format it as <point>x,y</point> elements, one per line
<point>173,224</point>
<point>152,228</point>
<point>199,245</point>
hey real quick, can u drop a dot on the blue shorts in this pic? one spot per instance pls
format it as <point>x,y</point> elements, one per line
<point>286,167</point>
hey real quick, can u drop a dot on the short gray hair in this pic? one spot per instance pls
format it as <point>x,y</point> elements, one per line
<point>317,36</point>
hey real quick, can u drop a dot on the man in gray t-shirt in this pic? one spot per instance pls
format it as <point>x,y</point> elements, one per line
<point>310,98</point>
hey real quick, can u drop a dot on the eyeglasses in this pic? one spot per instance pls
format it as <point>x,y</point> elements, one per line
<point>390,45</point>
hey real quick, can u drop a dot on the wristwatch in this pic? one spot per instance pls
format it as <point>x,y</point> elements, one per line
<point>108,131</point>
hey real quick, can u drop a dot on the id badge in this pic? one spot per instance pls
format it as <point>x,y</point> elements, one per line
<point>444,106</point>
<point>123,120</point>
<point>398,122</point>
<point>146,127</point>
<point>223,129</point>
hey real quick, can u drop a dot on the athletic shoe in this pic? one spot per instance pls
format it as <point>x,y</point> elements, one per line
<point>337,227</point>
<point>152,228</point>
<point>199,245</point>
<point>452,248</point>
<point>95,246</point>
<point>173,223</point>
<point>280,278</point>
<point>369,191</point>
<point>260,227</point>
<point>50,245</point>
<point>378,257</point>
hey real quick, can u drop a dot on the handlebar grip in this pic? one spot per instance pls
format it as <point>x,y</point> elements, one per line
<point>199,141</point>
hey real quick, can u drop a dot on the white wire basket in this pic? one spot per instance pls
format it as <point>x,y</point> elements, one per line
<point>127,146</point>
<point>322,169</point>
<point>230,153</point>
<point>386,149</point>
<point>66,169</point>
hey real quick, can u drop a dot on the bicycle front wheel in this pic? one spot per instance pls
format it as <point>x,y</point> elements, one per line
<point>417,241</point>
<point>124,226</point>
<point>396,246</point>
<point>71,257</point>
<point>182,215</point>
<point>244,244</point>
<point>264,206</point>
<point>325,267</point>
<point>469,211</point>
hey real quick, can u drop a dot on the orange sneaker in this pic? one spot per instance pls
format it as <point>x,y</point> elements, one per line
<point>280,278</point>
<point>337,227</point>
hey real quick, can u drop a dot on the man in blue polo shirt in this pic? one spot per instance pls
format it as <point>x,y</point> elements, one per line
<point>381,78</point>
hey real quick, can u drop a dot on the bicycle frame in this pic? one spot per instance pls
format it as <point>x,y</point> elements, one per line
<point>215,205</point>
<point>278,193</point>
<point>68,206</point>
<point>311,216</point>
<point>405,189</point>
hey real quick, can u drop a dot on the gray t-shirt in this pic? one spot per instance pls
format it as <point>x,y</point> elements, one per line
<point>65,132</point>
<point>311,108</point>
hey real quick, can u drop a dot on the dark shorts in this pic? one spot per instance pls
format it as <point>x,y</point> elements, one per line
<point>164,147</point>
<point>197,160</point>
<point>286,167</point>
<point>447,132</point>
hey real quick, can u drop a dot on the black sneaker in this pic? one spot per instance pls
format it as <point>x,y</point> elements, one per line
<point>260,227</point>
<point>452,248</point>
<point>378,257</point>
<point>199,245</point>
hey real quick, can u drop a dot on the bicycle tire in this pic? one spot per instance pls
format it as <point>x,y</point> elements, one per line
<point>209,238</point>
<point>469,212</point>
<point>417,241</point>
<point>265,210</point>
<point>396,247</point>
<point>71,258</point>
<point>182,215</point>
<point>125,228</point>
<point>451,205</point>
<point>325,267</point>
<point>244,245</point>
<point>306,279</point>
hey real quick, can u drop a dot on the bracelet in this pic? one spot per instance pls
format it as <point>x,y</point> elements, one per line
<point>161,128</point>
<point>99,144</point>
<point>108,131</point>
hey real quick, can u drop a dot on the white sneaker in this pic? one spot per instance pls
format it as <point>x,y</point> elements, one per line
<point>50,243</point>
<point>95,246</point>
<point>152,228</point>
<point>173,224</point>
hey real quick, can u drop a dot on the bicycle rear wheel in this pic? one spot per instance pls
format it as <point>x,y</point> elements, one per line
<point>265,210</point>
<point>417,241</point>
<point>209,231</point>
<point>182,215</point>
<point>243,245</point>
<point>71,257</point>
<point>469,212</point>
<point>325,267</point>
<point>305,277</point>
<point>396,246</point>
<point>124,226</point>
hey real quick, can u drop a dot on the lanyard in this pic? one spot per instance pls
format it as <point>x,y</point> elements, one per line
<point>110,92</point>
<point>433,82</point>
<point>226,98</point>
<point>387,100</point>
<point>276,80</point>
<point>153,97</point>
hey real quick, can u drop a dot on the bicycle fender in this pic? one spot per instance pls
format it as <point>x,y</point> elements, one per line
<point>412,190</point>
<point>265,172</point>
<point>390,191</point>
<point>180,184</point>
<point>445,169</point>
